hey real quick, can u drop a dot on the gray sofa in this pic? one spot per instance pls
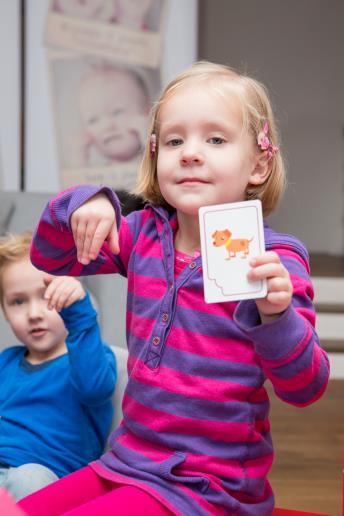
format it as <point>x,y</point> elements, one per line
<point>20,212</point>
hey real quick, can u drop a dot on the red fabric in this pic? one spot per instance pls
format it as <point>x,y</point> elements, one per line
<point>289,512</point>
<point>85,493</point>
<point>8,506</point>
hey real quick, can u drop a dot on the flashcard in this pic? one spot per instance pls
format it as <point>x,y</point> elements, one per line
<point>231,234</point>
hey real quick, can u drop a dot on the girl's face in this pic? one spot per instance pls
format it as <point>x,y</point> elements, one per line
<point>204,155</point>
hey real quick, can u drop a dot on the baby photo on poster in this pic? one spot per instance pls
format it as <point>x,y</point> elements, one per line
<point>231,234</point>
<point>101,110</point>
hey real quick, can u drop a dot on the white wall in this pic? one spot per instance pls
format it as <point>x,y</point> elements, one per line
<point>41,165</point>
<point>296,48</point>
<point>9,95</point>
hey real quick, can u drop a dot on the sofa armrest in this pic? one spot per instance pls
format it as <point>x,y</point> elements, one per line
<point>122,379</point>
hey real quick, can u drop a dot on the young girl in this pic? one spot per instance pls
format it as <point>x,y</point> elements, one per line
<point>195,435</point>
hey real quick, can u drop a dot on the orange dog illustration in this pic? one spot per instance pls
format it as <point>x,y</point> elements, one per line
<point>233,246</point>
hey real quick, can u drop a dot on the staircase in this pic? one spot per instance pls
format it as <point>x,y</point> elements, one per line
<point>328,282</point>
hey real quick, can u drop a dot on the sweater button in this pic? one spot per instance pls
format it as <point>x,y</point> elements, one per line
<point>164,317</point>
<point>156,341</point>
<point>192,265</point>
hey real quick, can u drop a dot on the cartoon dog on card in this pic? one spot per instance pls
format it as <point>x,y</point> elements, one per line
<point>233,246</point>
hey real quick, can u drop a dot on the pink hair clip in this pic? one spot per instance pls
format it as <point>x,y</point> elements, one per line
<point>152,145</point>
<point>264,141</point>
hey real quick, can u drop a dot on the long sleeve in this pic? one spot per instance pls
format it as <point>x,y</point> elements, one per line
<point>92,363</point>
<point>288,347</point>
<point>53,248</point>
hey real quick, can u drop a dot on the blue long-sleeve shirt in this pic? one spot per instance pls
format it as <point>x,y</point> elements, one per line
<point>58,413</point>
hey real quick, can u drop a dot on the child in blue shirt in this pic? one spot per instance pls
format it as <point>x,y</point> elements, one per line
<point>56,387</point>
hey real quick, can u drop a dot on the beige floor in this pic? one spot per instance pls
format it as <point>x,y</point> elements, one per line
<point>307,472</point>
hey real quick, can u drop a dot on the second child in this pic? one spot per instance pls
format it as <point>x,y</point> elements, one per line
<point>56,384</point>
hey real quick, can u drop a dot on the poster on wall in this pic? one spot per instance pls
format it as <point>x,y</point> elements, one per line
<point>1,171</point>
<point>101,112</point>
<point>125,30</point>
<point>104,58</point>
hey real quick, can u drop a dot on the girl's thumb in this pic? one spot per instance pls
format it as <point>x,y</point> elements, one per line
<point>113,240</point>
<point>47,278</point>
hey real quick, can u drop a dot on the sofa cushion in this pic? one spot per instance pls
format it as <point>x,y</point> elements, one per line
<point>122,378</point>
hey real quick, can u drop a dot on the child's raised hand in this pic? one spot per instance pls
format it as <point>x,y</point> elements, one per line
<point>280,290</point>
<point>92,223</point>
<point>62,291</point>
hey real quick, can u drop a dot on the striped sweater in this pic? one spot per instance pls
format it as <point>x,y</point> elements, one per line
<point>195,431</point>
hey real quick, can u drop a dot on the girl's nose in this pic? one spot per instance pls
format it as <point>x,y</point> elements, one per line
<point>191,158</point>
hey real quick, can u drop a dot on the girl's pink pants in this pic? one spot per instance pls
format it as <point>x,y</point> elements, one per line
<point>84,493</point>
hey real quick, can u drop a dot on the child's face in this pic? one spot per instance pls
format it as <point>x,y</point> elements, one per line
<point>41,330</point>
<point>204,155</point>
<point>110,105</point>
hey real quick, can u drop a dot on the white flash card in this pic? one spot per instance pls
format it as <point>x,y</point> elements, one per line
<point>231,234</point>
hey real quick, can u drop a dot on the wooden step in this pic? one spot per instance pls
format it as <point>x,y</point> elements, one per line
<point>330,328</point>
<point>334,308</point>
<point>329,304</point>
<point>332,346</point>
<point>326,265</point>
<point>329,292</point>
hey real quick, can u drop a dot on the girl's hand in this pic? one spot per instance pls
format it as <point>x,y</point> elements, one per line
<point>62,291</point>
<point>92,223</point>
<point>280,290</point>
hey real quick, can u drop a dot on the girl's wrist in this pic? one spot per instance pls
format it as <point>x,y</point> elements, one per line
<point>266,319</point>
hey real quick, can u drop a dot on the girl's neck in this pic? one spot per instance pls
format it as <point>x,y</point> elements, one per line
<point>187,239</point>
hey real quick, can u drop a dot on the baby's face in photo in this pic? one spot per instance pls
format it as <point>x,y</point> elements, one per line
<point>111,105</point>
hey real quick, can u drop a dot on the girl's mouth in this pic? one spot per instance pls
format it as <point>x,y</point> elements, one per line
<point>195,180</point>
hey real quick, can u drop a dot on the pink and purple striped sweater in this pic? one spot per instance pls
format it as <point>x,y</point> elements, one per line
<point>195,431</point>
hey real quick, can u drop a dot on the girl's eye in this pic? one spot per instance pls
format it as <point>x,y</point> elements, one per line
<point>17,301</point>
<point>216,140</point>
<point>175,142</point>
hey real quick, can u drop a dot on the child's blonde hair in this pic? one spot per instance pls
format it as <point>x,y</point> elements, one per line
<point>256,111</point>
<point>13,248</point>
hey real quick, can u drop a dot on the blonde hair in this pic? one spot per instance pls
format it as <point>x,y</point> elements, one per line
<point>13,248</point>
<point>256,110</point>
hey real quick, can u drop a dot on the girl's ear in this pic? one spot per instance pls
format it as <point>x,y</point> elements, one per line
<point>261,170</point>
